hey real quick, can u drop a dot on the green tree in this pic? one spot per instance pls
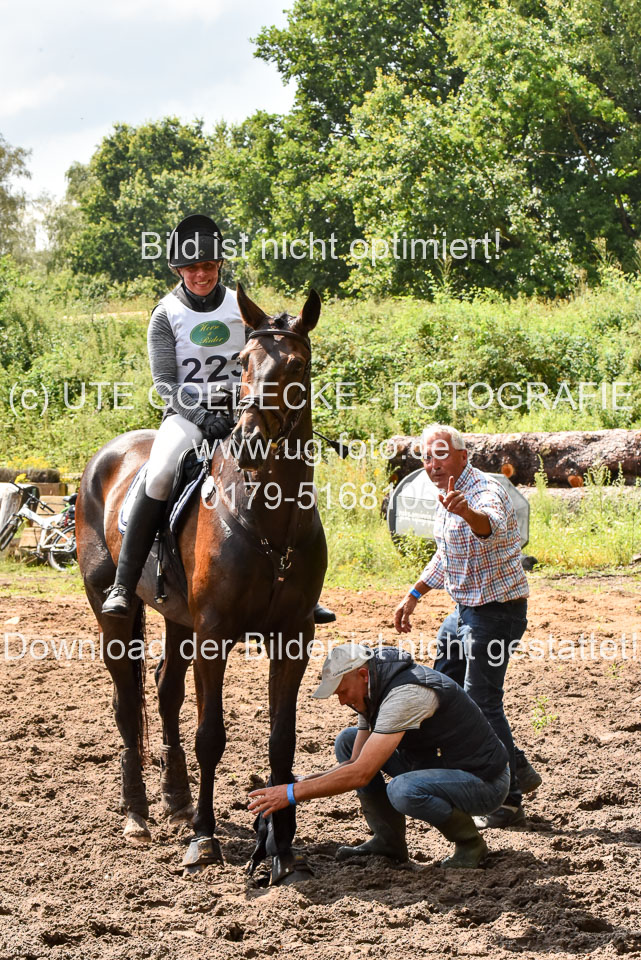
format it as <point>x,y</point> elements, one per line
<point>333,49</point>
<point>140,179</point>
<point>540,142</point>
<point>12,199</point>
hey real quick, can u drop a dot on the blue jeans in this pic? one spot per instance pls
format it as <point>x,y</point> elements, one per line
<point>429,795</point>
<point>475,644</point>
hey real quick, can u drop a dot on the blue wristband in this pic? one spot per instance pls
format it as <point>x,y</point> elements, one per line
<point>290,794</point>
<point>414,593</point>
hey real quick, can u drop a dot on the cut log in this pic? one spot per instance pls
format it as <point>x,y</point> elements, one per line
<point>564,455</point>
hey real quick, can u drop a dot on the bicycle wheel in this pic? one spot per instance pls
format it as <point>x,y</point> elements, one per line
<point>62,551</point>
<point>8,532</point>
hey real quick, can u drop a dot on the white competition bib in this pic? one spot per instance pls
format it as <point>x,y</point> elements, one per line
<point>207,344</point>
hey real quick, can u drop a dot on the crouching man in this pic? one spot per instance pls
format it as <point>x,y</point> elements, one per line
<point>418,726</point>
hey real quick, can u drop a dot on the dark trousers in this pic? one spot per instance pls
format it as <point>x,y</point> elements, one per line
<point>474,648</point>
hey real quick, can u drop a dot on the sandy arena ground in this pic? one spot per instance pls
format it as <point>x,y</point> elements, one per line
<point>567,886</point>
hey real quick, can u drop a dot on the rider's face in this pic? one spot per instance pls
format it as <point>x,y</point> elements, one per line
<point>201,278</point>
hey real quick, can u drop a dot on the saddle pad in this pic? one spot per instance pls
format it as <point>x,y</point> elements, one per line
<point>190,468</point>
<point>130,496</point>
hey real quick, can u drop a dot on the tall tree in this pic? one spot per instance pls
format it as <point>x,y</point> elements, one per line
<point>140,179</point>
<point>12,198</point>
<point>334,48</point>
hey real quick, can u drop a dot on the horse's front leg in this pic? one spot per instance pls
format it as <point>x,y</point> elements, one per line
<point>287,666</point>
<point>209,673</point>
<point>170,680</point>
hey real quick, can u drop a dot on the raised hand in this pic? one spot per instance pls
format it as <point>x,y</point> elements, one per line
<point>454,501</point>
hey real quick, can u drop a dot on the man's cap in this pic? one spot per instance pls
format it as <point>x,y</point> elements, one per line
<point>341,660</point>
<point>195,239</point>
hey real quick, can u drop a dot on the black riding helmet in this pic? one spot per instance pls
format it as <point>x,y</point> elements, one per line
<point>195,239</point>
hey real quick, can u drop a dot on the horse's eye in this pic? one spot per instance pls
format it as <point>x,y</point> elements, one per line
<point>296,365</point>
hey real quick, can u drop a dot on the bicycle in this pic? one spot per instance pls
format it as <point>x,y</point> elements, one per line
<point>57,541</point>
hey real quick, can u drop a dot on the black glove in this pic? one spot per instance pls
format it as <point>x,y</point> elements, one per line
<point>215,426</point>
<point>219,398</point>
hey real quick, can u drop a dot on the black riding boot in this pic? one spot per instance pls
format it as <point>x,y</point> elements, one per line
<point>145,518</point>
<point>323,614</point>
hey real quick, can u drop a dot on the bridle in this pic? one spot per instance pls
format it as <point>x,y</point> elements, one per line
<point>286,420</point>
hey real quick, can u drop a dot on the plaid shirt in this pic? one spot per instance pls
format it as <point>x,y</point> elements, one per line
<point>476,570</point>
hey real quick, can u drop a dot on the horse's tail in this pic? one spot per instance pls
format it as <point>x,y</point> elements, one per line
<point>138,666</point>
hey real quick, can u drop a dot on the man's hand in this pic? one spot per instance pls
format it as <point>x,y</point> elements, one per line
<point>267,800</point>
<point>403,613</point>
<point>455,502</point>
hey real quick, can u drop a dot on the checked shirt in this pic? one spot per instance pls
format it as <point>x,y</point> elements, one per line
<point>476,570</point>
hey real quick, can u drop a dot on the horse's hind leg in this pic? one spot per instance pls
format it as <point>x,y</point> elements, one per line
<point>170,679</point>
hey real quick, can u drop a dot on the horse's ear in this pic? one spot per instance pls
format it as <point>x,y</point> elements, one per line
<point>311,312</point>
<point>249,311</point>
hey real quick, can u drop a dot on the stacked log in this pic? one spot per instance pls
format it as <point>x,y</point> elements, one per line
<point>565,456</point>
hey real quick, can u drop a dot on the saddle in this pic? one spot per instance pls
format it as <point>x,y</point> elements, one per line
<point>191,471</point>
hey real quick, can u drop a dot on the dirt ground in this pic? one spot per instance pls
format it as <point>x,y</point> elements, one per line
<point>566,886</point>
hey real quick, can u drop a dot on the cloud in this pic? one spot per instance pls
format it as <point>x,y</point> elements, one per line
<point>32,96</point>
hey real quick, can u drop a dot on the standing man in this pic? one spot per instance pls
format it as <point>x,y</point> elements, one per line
<point>478,562</point>
<point>422,729</point>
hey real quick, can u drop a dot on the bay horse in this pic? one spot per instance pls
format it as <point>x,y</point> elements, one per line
<point>249,568</point>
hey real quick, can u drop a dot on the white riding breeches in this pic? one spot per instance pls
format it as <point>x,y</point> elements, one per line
<point>175,435</point>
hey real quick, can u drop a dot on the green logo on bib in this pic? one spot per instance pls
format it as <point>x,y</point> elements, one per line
<point>210,333</point>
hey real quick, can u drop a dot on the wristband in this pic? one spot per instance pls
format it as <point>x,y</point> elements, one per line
<point>290,794</point>
<point>414,593</point>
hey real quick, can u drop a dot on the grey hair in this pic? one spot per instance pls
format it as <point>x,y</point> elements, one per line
<point>456,438</point>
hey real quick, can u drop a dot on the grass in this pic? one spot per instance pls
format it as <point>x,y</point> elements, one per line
<point>602,532</point>
<point>20,577</point>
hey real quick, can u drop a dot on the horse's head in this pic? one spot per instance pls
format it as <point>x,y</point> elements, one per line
<point>275,382</point>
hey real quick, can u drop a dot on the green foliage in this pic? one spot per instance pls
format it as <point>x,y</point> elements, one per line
<point>598,528</point>
<point>333,49</point>
<point>140,179</point>
<point>541,718</point>
<point>61,329</point>
<point>493,119</point>
<point>12,199</point>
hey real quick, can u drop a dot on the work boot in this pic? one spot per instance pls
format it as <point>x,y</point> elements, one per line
<point>505,816</point>
<point>529,778</point>
<point>145,518</point>
<point>388,827</point>
<point>323,614</point>
<point>469,845</point>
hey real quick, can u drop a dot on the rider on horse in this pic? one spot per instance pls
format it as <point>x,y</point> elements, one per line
<point>195,335</point>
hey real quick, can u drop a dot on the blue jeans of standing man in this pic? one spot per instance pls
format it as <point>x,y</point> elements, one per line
<point>429,795</point>
<point>475,644</point>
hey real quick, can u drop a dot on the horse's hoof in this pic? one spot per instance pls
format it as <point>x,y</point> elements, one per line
<point>290,868</point>
<point>136,829</point>
<point>184,814</point>
<point>202,852</point>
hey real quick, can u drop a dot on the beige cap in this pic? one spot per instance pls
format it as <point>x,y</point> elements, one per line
<point>342,659</point>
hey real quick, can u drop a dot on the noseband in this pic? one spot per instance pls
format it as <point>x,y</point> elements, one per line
<point>252,400</point>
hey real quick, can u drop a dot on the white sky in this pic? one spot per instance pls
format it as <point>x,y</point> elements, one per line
<point>70,69</point>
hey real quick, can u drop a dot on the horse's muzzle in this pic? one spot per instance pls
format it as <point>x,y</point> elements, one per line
<point>249,447</point>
